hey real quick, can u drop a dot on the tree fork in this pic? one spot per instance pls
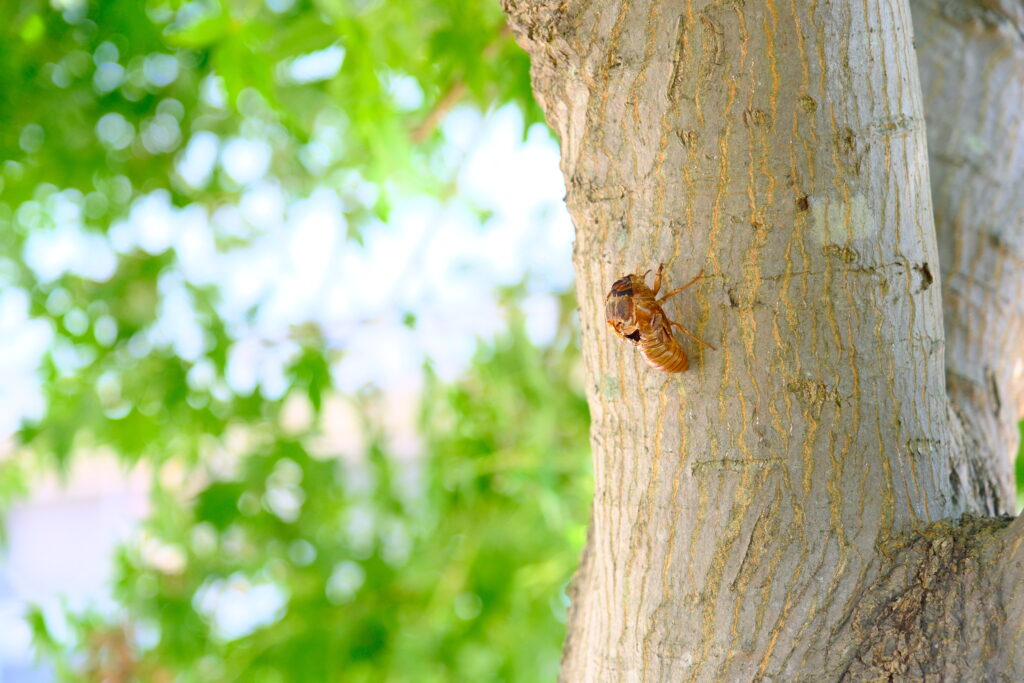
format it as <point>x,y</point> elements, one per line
<point>765,514</point>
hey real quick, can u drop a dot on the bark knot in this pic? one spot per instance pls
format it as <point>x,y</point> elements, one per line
<point>812,394</point>
<point>925,273</point>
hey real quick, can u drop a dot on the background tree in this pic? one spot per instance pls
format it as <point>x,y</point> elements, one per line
<point>774,513</point>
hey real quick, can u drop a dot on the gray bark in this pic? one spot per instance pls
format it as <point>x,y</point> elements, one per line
<point>774,512</point>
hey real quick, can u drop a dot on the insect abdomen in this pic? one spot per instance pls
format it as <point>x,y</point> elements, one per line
<point>664,354</point>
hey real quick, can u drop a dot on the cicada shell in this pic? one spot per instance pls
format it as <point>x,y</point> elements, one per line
<point>634,311</point>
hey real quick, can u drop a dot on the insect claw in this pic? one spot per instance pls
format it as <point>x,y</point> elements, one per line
<point>657,279</point>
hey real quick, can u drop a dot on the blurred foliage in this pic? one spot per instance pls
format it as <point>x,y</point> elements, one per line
<point>369,568</point>
<point>104,97</point>
<point>1019,468</point>
<point>104,104</point>
<point>265,557</point>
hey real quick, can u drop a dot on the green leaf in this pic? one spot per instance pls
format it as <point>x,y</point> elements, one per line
<point>33,29</point>
<point>201,31</point>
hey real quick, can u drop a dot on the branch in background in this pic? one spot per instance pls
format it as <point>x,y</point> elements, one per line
<point>438,112</point>
<point>454,93</point>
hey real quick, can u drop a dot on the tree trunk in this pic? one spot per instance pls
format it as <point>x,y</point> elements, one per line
<point>773,512</point>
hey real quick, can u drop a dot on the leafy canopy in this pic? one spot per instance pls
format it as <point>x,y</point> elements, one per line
<point>110,105</point>
<point>448,566</point>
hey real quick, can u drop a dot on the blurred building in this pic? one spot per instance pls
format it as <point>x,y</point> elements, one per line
<point>59,551</point>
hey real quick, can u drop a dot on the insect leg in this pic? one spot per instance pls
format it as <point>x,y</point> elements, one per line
<point>676,291</point>
<point>687,333</point>
<point>657,278</point>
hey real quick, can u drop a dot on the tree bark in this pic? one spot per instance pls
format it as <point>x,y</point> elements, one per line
<point>773,513</point>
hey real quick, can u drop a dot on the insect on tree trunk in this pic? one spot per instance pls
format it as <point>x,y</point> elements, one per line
<point>635,313</point>
<point>793,506</point>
